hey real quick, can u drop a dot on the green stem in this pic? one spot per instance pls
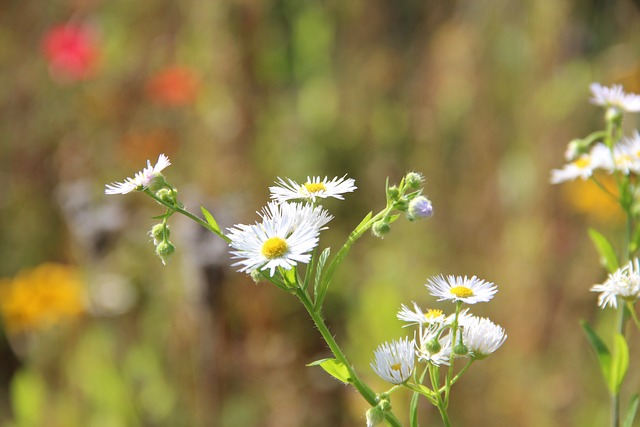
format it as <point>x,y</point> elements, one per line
<point>615,397</point>
<point>188,214</point>
<point>364,390</point>
<point>633,313</point>
<point>454,332</point>
<point>443,414</point>
<point>413,409</point>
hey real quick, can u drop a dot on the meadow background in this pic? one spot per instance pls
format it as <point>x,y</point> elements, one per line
<point>480,96</point>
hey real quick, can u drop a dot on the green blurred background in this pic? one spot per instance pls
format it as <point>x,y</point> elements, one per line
<point>480,96</point>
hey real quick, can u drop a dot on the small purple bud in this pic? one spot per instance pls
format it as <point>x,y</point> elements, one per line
<point>419,207</point>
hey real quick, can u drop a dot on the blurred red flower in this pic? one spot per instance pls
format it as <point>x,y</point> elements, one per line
<point>173,86</point>
<point>72,52</point>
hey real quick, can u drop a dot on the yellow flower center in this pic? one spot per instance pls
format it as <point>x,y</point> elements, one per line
<point>461,291</point>
<point>274,247</point>
<point>396,367</point>
<point>433,313</point>
<point>582,162</point>
<point>315,187</point>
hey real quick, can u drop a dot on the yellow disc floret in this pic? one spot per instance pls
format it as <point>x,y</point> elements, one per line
<point>315,187</point>
<point>433,313</point>
<point>274,247</point>
<point>396,366</point>
<point>461,291</point>
<point>582,162</point>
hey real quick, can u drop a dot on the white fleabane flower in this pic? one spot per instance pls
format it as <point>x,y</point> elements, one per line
<point>287,234</point>
<point>627,154</point>
<point>141,180</point>
<point>456,288</point>
<point>313,188</point>
<point>394,361</point>
<point>623,283</point>
<point>418,317</point>
<point>614,97</point>
<point>481,336</point>
<point>584,166</point>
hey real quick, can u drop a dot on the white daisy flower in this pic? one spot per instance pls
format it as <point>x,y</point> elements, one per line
<point>584,166</point>
<point>481,336</point>
<point>314,187</point>
<point>287,234</point>
<point>432,346</point>
<point>614,97</point>
<point>627,154</point>
<point>456,288</point>
<point>141,180</point>
<point>394,361</point>
<point>418,317</point>
<point>623,283</point>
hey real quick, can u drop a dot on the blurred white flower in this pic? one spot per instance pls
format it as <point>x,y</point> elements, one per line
<point>141,180</point>
<point>623,283</point>
<point>614,97</point>
<point>314,187</point>
<point>584,166</point>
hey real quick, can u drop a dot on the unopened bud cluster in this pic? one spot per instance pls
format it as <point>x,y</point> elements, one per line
<point>406,198</point>
<point>160,235</point>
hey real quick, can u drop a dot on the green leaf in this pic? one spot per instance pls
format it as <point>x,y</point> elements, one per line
<point>393,218</point>
<point>363,223</point>
<point>619,363</point>
<point>631,412</point>
<point>601,350</point>
<point>322,260</point>
<point>210,219</point>
<point>608,256</point>
<point>333,367</point>
<point>289,276</point>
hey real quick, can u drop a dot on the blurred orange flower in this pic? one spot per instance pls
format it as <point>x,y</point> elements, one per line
<point>72,52</point>
<point>41,297</point>
<point>174,86</point>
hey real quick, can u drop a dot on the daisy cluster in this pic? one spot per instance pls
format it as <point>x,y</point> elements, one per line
<point>290,226</point>
<point>440,338</point>
<point>586,156</point>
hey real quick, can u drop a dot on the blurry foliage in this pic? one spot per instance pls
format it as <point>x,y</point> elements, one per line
<point>479,96</point>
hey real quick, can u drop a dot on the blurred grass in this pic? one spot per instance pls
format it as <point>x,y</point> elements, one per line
<point>479,96</point>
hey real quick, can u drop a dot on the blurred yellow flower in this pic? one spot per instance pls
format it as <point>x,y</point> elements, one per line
<point>39,298</point>
<point>586,197</point>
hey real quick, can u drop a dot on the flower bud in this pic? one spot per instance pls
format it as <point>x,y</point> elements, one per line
<point>393,193</point>
<point>164,250</point>
<point>375,416</point>
<point>576,148</point>
<point>157,182</point>
<point>380,228</point>
<point>256,276</point>
<point>419,207</point>
<point>460,349</point>
<point>433,346</point>
<point>414,180</point>
<point>613,115</point>
<point>167,195</point>
<point>402,205</point>
<point>159,232</point>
